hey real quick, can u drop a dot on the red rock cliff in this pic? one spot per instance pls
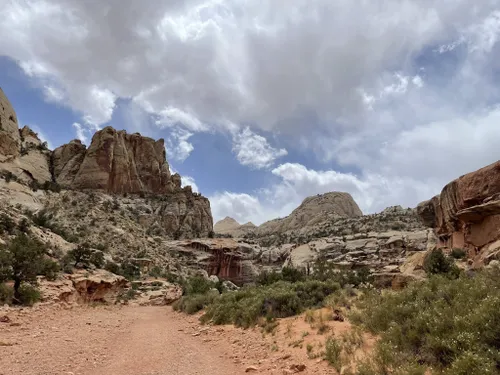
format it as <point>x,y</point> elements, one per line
<point>467,213</point>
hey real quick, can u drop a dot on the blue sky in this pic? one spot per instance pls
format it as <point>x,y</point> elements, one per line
<point>264,105</point>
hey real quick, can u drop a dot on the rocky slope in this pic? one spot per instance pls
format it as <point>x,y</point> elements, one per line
<point>115,163</point>
<point>467,214</point>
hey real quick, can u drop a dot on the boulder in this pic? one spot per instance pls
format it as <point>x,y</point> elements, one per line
<point>99,285</point>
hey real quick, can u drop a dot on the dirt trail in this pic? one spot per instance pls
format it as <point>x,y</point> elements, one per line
<point>105,341</point>
<point>141,340</point>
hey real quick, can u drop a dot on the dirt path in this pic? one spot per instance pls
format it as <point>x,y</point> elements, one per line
<point>128,340</point>
<point>109,341</point>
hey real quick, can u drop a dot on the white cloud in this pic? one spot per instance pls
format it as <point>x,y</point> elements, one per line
<point>189,181</point>
<point>178,147</point>
<point>81,133</point>
<point>254,151</point>
<point>241,207</point>
<point>403,93</point>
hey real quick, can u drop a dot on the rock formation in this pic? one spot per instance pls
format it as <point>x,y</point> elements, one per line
<point>115,163</point>
<point>21,152</point>
<point>312,211</point>
<point>230,227</point>
<point>467,214</point>
<point>224,258</point>
<point>9,130</point>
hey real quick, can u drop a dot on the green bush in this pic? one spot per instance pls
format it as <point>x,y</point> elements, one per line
<point>50,269</point>
<point>437,263</point>
<point>28,295</point>
<point>333,353</point>
<point>282,299</point>
<point>452,325</point>
<point>197,285</point>
<point>112,267</point>
<point>22,261</point>
<point>458,253</point>
<point>191,304</point>
<point>6,294</point>
<point>7,225</point>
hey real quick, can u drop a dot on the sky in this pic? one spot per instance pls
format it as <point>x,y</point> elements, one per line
<point>262,104</point>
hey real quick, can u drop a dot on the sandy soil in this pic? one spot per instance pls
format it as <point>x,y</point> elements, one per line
<point>110,340</point>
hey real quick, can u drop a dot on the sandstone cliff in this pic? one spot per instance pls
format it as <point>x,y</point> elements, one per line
<point>22,154</point>
<point>115,163</point>
<point>467,214</point>
<point>9,131</point>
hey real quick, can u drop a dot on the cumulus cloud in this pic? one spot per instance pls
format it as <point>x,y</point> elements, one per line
<point>254,151</point>
<point>81,133</point>
<point>189,181</point>
<point>405,93</point>
<point>178,147</point>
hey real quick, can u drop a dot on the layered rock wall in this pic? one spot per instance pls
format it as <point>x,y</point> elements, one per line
<point>467,214</point>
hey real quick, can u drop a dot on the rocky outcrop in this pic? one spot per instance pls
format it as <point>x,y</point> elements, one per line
<point>66,161</point>
<point>21,152</point>
<point>230,227</point>
<point>224,258</point>
<point>312,211</point>
<point>116,162</point>
<point>120,163</point>
<point>467,212</point>
<point>98,286</point>
<point>82,287</point>
<point>9,130</point>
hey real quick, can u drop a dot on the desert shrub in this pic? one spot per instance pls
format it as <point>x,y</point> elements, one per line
<point>268,278</point>
<point>129,270</point>
<point>436,262</point>
<point>7,225</point>
<point>191,304</point>
<point>324,270</point>
<point>81,254</point>
<point>28,294</point>
<point>458,253</point>
<point>155,272</point>
<point>333,353</point>
<point>282,299</point>
<point>50,269</point>
<point>197,285</point>
<point>24,225</point>
<point>21,261</point>
<point>6,294</point>
<point>112,267</point>
<point>97,259</point>
<point>452,325</point>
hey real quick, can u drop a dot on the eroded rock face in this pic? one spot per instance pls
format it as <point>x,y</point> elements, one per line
<point>467,212</point>
<point>224,258</point>
<point>116,162</point>
<point>311,212</point>
<point>99,285</point>
<point>66,161</point>
<point>9,130</point>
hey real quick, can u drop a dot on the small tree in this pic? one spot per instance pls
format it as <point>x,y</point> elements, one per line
<point>81,254</point>
<point>22,261</point>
